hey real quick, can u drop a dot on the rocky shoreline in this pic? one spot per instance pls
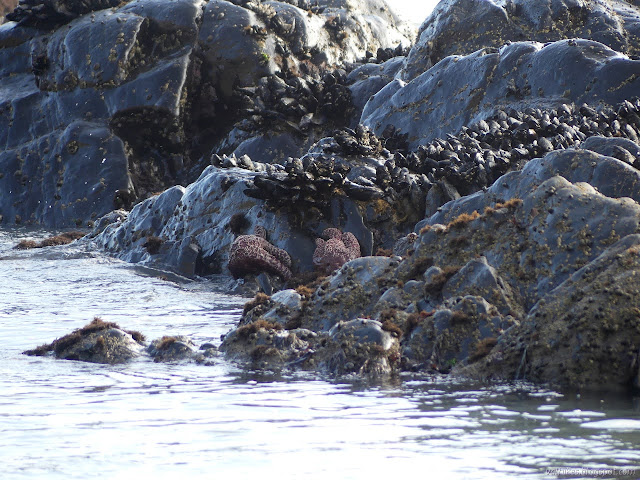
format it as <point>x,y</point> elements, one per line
<point>491,184</point>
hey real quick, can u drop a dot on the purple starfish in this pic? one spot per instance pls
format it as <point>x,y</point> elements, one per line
<point>254,254</point>
<point>334,252</point>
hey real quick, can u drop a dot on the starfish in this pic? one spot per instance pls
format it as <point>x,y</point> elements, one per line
<point>254,254</point>
<point>337,250</point>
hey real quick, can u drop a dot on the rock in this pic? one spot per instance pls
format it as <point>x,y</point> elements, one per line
<point>96,342</point>
<point>621,148</point>
<point>47,14</point>
<point>369,79</point>
<point>454,334</point>
<point>264,344</point>
<point>106,342</point>
<point>514,162</point>
<point>404,245</point>
<point>287,309</point>
<point>115,216</point>
<point>466,296</point>
<point>171,349</point>
<point>359,346</point>
<point>74,106</point>
<point>273,78</point>
<point>552,241</point>
<point>481,279</point>
<point>583,334</point>
<point>539,285</point>
<point>408,298</point>
<point>576,166</point>
<point>351,291</point>
<point>441,193</point>
<point>347,180</point>
<point>272,148</point>
<point>121,101</point>
<point>193,226</point>
<point>446,97</point>
<point>189,253</point>
<point>362,330</point>
<point>479,24</point>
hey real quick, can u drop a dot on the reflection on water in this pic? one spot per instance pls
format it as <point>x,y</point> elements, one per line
<point>63,419</point>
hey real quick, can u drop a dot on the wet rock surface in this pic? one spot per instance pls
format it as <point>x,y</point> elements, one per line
<point>464,90</point>
<point>595,301</point>
<point>479,24</point>
<point>180,348</point>
<point>394,187</point>
<point>104,104</point>
<point>490,182</point>
<point>96,342</point>
<point>463,293</point>
<point>108,343</point>
<point>191,230</point>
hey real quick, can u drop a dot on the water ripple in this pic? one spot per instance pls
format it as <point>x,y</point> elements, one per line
<point>61,419</point>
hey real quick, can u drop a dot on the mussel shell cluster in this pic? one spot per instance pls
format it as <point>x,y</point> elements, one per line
<point>461,164</point>
<point>297,103</point>
<point>478,155</point>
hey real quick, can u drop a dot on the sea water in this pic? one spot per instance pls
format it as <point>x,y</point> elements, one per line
<point>63,419</point>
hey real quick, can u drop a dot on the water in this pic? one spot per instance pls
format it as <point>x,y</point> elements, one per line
<point>64,419</point>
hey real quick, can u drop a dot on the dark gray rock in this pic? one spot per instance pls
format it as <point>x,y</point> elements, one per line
<point>362,330</point>
<point>266,345</point>
<point>368,79</point>
<point>352,291</point>
<point>274,148</point>
<point>269,82</point>
<point>479,278</point>
<point>558,227</point>
<point>358,346</point>
<point>476,24</point>
<point>188,230</point>
<point>408,298</point>
<point>96,342</point>
<point>610,176</point>
<point>582,335</point>
<point>455,333</point>
<point>132,94</point>
<point>467,297</point>
<point>47,14</point>
<point>283,307</point>
<point>86,166</point>
<point>179,348</point>
<point>106,342</point>
<point>621,148</point>
<point>73,112</point>
<point>461,91</point>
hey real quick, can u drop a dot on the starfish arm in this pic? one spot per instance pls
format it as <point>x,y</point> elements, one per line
<point>351,243</point>
<point>269,263</point>
<point>318,254</point>
<point>260,231</point>
<point>282,256</point>
<point>329,233</point>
